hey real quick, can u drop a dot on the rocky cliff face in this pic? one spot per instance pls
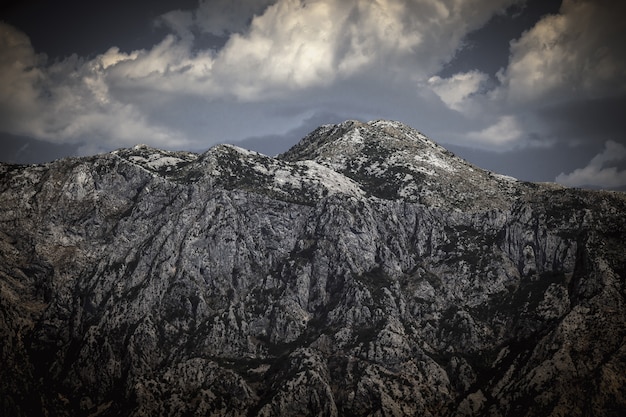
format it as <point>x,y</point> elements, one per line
<point>366,272</point>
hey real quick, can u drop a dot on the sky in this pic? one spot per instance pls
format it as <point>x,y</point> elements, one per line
<point>535,89</point>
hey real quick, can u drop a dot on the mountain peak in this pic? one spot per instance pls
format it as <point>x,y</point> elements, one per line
<point>351,136</point>
<point>394,161</point>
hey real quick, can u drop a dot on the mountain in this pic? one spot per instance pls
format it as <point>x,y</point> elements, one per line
<point>365,272</point>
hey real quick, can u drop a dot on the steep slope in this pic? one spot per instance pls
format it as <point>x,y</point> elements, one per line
<point>367,271</point>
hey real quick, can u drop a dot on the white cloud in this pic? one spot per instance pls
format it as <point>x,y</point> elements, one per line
<point>311,55</point>
<point>565,62</point>
<point>68,101</point>
<point>296,44</point>
<point>576,54</point>
<point>169,67</point>
<point>504,132</point>
<point>598,172</point>
<point>455,90</point>
<point>289,47</point>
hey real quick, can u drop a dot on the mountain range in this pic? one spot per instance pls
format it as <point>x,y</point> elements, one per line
<point>367,271</point>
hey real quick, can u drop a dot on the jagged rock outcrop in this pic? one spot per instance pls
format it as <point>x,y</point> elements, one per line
<point>365,272</point>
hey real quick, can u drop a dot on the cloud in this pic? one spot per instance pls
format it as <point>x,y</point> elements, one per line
<point>455,90</point>
<point>289,47</point>
<point>297,44</point>
<point>181,22</point>
<point>577,54</point>
<point>601,170</point>
<point>21,75</point>
<point>294,45</point>
<point>222,17</point>
<point>505,131</point>
<point>563,85</point>
<point>303,54</point>
<point>282,62</point>
<point>217,17</point>
<point>68,101</point>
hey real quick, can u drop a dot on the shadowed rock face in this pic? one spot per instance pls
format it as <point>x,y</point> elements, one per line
<point>366,272</point>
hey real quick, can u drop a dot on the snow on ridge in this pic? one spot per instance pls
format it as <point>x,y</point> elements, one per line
<point>344,145</point>
<point>306,175</point>
<point>406,130</point>
<point>503,177</point>
<point>164,161</point>
<point>156,160</point>
<point>386,123</point>
<point>241,150</point>
<point>333,181</point>
<point>353,137</point>
<point>425,170</point>
<point>435,161</point>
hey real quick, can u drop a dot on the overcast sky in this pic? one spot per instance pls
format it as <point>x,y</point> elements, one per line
<point>535,89</point>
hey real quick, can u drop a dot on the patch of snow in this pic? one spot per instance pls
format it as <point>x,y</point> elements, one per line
<point>157,160</point>
<point>385,123</point>
<point>425,170</point>
<point>435,161</point>
<point>354,136</point>
<point>137,159</point>
<point>306,175</point>
<point>336,164</point>
<point>507,178</point>
<point>164,161</point>
<point>345,145</point>
<point>241,150</point>
<point>335,182</point>
<point>283,176</point>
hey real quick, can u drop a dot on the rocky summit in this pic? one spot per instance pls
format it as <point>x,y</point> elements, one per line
<point>365,272</point>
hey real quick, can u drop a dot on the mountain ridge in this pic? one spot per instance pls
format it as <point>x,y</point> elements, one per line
<point>156,283</point>
<point>391,161</point>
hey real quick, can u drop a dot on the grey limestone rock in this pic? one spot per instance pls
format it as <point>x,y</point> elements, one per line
<point>365,272</point>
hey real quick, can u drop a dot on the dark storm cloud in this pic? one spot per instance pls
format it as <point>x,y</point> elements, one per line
<point>216,17</point>
<point>572,56</point>
<point>25,150</point>
<point>530,164</point>
<point>86,28</point>
<point>592,120</point>
<point>487,49</point>
<point>567,75</point>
